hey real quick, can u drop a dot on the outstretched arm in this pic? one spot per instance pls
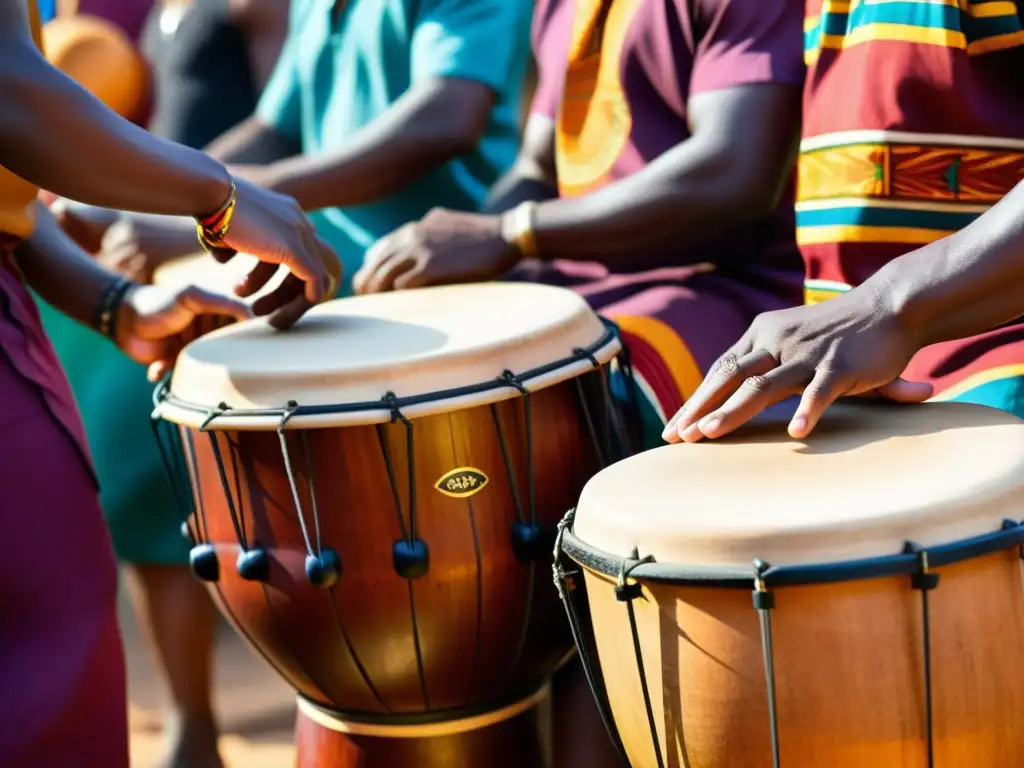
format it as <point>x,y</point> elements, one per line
<point>56,135</point>
<point>860,342</point>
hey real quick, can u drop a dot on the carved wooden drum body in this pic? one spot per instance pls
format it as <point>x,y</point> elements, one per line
<point>376,494</point>
<point>854,600</point>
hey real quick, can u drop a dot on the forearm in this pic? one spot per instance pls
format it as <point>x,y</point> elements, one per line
<point>964,284</point>
<point>682,196</point>
<point>373,166</point>
<point>252,142</point>
<point>519,185</point>
<point>61,272</point>
<point>56,135</point>
<point>428,126</point>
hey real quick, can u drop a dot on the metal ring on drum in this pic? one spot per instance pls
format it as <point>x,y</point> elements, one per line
<point>856,599</point>
<point>325,739</point>
<point>373,497</point>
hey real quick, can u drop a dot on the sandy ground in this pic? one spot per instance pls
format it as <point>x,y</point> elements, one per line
<point>256,709</point>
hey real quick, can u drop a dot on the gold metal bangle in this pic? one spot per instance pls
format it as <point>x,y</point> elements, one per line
<point>517,229</point>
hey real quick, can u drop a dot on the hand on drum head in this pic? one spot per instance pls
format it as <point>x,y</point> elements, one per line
<point>156,322</point>
<point>850,345</point>
<point>444,247</point>
<point>274,229</point>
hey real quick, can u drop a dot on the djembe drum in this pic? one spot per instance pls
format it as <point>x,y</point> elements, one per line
<point>376,494</point>
<point>886,628</point>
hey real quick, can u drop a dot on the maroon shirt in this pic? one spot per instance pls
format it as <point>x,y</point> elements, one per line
<point>616,76</point>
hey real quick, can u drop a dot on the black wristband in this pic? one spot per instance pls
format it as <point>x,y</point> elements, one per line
<point>105,314</point>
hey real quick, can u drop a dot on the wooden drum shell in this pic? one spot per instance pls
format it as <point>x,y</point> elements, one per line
<point>479,629</point>
<point>849,670</point>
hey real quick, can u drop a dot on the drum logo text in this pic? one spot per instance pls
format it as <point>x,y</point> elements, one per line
<point>462,482</point>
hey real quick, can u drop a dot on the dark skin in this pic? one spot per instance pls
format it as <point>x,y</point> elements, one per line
<point>723,175</point>
<point>435,121</point>
<point>101,159</point>
<point>859,343</point>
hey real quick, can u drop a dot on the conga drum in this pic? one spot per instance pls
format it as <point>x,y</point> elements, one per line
<point>376,494</point>
<point>855,600</point>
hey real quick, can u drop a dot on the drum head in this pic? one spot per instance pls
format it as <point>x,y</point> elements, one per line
<point>445,348</point>
<point>867,480</point>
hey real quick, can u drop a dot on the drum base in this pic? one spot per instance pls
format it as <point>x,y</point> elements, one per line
<point>515,736</point>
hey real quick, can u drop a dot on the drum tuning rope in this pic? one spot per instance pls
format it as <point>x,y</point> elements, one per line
<point>585,407</point>
<point>513,381</point>
<point>390,400</point>
<point>175,467</point>
<point>513,485</point>
<point>565,583</point>
<point>289,412</point>
<point>764,602</point>
<point>218,458</point>
<point>627,593</point>
<point>925,581</point>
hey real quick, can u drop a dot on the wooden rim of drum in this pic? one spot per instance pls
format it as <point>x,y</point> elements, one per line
<point>297,416</point>
<point>336,722</point>
<point>910,561</point>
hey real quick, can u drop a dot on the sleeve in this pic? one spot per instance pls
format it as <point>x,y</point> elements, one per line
<point>280,104</point>
<point>552,32</point>
<point>482,40</point>
<point>746,42</point>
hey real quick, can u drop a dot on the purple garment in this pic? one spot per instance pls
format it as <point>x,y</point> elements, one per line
<point>61,660</point>
<point>129,15</point>
<point>616,77</point>
<point>664,53</point>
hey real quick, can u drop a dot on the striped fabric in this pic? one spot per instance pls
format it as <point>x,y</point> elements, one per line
<point>973,25</point>
<point>910,134</point>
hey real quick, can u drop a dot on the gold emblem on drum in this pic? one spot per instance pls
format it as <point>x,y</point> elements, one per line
<point>462,482</point>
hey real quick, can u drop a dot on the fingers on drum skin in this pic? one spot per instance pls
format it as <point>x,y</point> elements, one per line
<point>256,279</point>
<point>203,302</point>
<point>414,278</point>
<point>725,377</point>
<point>902,391</point>
<point>389,270</point>
<point>753,395</point>
<point>290,288</point>
<point>824,389</point>
<point>290,313</point>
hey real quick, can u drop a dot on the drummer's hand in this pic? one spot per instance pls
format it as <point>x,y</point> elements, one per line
<point>274,229</point>
<point>444,247</point>
<point>156,322</point>
<point>86,231</point>
<point>850,345</point>
<point>136,247</point>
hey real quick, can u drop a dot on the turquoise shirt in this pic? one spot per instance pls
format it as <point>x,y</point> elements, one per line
<point>337,75</point>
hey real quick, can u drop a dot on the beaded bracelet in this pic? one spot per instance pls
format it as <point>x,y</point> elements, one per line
<point>212,229</point>
<point>105,314</point>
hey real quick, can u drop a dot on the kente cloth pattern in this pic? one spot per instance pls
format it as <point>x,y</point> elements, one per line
<point>913,127</point>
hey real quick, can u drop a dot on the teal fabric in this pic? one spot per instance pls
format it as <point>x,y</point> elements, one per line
<point>337,75</point>
<point>115,400</point>
<point>1004,394</point>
